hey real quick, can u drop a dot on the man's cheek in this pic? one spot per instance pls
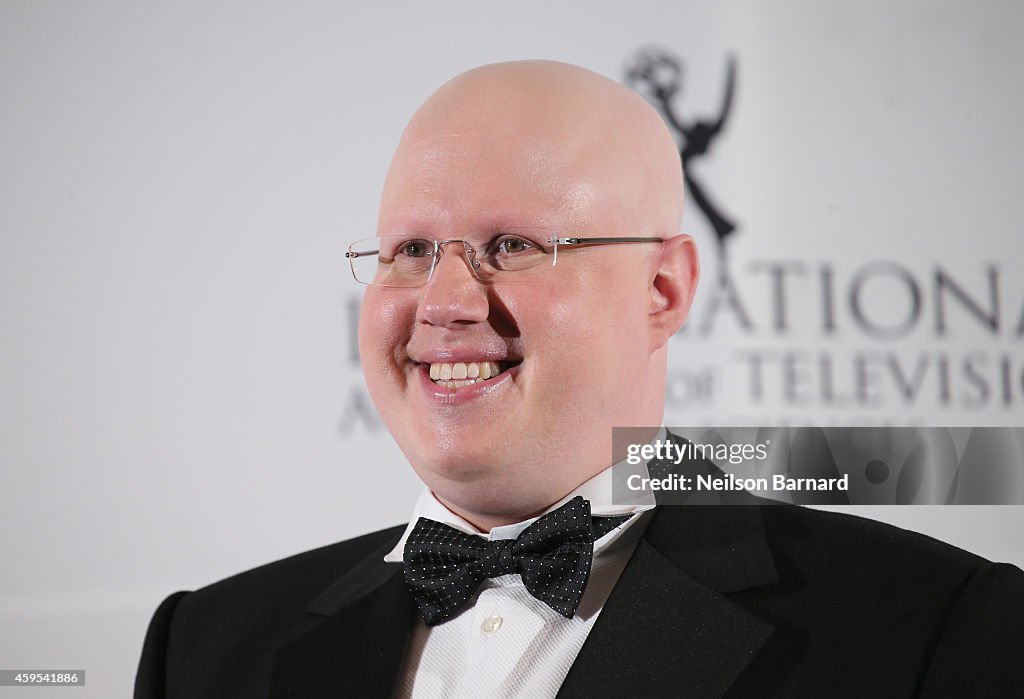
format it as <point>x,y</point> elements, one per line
<point>384,324</point>
<point>569,319</point>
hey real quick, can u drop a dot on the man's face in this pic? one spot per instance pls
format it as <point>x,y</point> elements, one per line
<point>571,341</point>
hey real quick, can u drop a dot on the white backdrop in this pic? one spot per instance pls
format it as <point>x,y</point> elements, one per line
<point>179,399</point>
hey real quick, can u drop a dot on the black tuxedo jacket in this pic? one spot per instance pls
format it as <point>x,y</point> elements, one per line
<point>737,601</point>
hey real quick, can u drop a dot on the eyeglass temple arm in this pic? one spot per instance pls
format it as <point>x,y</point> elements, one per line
<point>360,253</point>
<point>585,241</point>
<point>599,241</point>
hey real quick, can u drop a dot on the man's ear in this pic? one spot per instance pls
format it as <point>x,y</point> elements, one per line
<point>673,284</point>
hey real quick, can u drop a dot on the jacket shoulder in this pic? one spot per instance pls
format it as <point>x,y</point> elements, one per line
<point>324,563</point>
<point>294,581</point>
<point>846,540</point>
<point>220,639</point>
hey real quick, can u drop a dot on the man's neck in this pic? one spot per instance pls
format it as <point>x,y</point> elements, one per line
<point>484,522</point>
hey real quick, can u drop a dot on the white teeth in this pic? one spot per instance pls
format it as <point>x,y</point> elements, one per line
<point>456,384</point>
<point>463,373</point>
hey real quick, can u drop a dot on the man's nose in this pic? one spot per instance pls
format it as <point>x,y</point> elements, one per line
<point>453,294</point>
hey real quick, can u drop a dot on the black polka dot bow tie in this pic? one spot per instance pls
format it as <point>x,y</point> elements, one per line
<point>444,566</point>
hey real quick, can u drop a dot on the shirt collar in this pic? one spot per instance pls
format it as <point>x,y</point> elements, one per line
<point>598,490</point>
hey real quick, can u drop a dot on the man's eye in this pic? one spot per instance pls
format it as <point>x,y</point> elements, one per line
<point>415,248</point>
<point>511,246</point>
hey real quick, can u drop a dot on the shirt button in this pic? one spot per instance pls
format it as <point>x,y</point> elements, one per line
<point>491,626</point>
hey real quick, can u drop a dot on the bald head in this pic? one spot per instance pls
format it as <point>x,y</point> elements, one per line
<point>502,392</point>
<point>560,125</point>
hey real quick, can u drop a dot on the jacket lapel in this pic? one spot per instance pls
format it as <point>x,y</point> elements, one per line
<point>357,645</point>
<point>668,627</point>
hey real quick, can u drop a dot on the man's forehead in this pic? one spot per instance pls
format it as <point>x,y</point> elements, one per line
<point>535,150</point>
<point>445,180</point>
<point>541,138</point>
<point>480,164</point>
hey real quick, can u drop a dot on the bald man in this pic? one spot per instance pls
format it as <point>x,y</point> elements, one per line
<point>519,155</point>
<point>524,282</point>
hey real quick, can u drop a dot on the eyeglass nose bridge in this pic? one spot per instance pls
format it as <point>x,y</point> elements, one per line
<point>468,252</point>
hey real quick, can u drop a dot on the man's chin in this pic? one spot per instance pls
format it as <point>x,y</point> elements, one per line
<point>462,470</point>
<point>466,451</point>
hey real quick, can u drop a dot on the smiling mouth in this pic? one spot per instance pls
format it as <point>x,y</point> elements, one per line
<point>459,374</point>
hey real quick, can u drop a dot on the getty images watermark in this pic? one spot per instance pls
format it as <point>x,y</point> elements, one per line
<point>675,452</point>
<point>819,466</point>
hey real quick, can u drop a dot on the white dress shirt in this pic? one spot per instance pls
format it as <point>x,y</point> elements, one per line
<point>507,643</point>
